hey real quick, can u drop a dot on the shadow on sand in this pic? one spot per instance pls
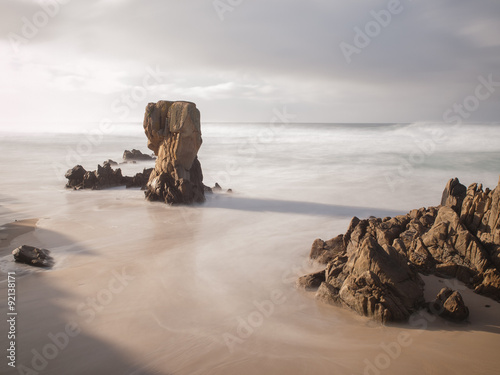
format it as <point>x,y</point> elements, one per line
<point>232,202</point>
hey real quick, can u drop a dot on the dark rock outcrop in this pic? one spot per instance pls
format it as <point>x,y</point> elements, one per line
<point>139,180</point>
<point>33,256</point>
<point>450,305</point>
<point>136,155</point>
<point>104,177</point>
<point>174,135</point>
<point>75,176</point>
<point>373,267</point>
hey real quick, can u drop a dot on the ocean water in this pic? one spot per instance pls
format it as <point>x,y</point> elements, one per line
<point>212,286</point>
<point>404,165</point>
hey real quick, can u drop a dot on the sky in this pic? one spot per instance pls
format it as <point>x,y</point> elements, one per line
<point>69,62</point>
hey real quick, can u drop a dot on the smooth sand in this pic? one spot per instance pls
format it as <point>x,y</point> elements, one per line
<point>10,231</point>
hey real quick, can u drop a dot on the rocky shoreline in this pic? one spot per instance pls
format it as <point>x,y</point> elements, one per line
<point>374,268</point>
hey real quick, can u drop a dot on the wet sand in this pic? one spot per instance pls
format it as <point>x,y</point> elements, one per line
<point>10,231</point>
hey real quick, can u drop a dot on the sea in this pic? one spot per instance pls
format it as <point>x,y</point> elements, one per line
<point>210,288</point>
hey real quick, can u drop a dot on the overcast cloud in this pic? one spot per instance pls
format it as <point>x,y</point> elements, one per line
<point>263,54</point>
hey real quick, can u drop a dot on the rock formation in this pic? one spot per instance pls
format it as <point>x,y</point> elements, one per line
<point>450,305</point>
<point>453,195</point>
<point>104,177</point>
<point>373,268</point>
<point>136,155</point>
<point>174,135</point>
<point>110,162</point>
<point>33,256</point>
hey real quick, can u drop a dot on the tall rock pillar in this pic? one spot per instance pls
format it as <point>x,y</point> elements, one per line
<point>174,135</point>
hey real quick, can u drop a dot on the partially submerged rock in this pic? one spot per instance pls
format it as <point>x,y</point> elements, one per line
<point>174,135</point>
<point>136,155</point>
<point>33,256</point>
<point>372,268</point>
<point>75,176</point>
<point>104,177</point>
<point>139,180</point>
<point>216,189</point>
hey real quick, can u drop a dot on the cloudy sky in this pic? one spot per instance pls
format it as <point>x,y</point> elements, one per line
<point>71,61</point>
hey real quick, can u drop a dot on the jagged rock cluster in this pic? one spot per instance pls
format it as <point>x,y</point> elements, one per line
<point>374,267</point>
<point>174,135</point>
<point>104,177</point>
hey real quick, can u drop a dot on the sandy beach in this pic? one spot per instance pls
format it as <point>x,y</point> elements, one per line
<point>145,288</point>
<point>152,296</point>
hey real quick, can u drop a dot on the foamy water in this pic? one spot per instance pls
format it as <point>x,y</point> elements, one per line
<point>209,289</point>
